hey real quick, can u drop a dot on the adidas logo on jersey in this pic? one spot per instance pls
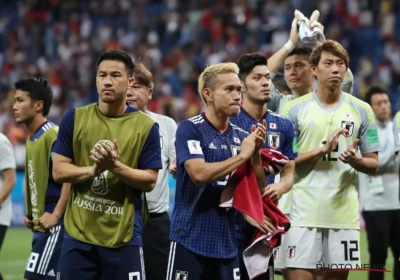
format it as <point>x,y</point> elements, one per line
<point>212,146</point>
<point>51,273</point>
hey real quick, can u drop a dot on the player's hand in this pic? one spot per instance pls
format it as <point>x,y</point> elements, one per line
<point>275,191</point>
<point>294,34</point>
<point>28,223</point>
<point>261,135</point>
<point>314,21</point>
<point>172,167</point>
<point>265,227</point>
<point>48,220</point>
<point>350,154</point>
<point>333,140</point>
<point>248,146</point>
<point>104,157</point>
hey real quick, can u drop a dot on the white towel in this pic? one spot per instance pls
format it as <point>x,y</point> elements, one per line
<point>308,37</point>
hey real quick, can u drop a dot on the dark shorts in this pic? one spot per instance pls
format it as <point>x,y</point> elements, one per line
<point>183,264</point>
<point>81,260</point>
<point>156,246</point>
<point>43,261</point>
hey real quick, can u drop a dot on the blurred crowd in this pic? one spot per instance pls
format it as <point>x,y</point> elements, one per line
<point>61,40</point>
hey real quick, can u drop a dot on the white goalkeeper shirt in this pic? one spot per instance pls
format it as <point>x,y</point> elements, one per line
<point>158,199</point>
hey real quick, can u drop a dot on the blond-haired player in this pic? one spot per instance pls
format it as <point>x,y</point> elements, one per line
<point>203,235</point>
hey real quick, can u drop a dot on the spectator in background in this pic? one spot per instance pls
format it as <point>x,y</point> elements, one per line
<point>379,193</point>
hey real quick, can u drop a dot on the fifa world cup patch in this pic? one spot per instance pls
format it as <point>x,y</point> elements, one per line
<point>274,140</point>
<point>194,147</point>
<point>291,252</point>
<point>182,275</point>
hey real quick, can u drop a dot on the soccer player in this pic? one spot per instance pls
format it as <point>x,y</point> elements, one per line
<point>45,199</point>
<point>7,183</point>
<point>379,193</point>
<point>156,230</point>
<point>111,154</point>
<point>297,70</point>
<point>330,125</point>
<point>203,237</point>
<point>256,91</point>
<point>396,134</point>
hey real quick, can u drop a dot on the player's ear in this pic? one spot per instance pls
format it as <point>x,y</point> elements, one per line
<point>150,93</point>
<point>38,105</point>
<point>314,70</point>
<point>131,81</point>
<point>207,94</point>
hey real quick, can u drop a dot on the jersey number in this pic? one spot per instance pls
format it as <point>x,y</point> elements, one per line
<point>330,156</point>
<point>32,262</point>
<point>348,252</point>
<point>134,275</point>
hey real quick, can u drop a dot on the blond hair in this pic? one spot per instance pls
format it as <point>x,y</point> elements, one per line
<point>207,77</point>
<point>143,76</point>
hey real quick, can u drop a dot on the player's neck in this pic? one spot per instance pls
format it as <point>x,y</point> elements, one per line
<point>218,120</point>
<point>328,97</point>
<point>301,91</point>
<point>257,111</point>
<point>35,123</point>
<point>112,109</point>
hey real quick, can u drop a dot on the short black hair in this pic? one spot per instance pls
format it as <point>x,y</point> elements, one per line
<point>280,82</point>
<point>247,62</point>
<point>118,55</point>
<point>375,90</point>
<point>301,50</point>
<point>38,90</point>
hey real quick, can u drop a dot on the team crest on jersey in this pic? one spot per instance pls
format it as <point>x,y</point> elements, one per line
<point>100,183</point>
<point>291,252</point>
<point>349,126</point>
<point>182,275</point>
<point>274,140</point>
<point>235,150</point>
<point>276,253</point>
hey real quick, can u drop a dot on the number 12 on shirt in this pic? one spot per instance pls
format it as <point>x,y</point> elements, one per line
<point>330,156</point>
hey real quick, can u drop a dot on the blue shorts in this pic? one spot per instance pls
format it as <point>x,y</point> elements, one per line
<point>46,249</point>
<point>183,264</point>
<point>80,260</point>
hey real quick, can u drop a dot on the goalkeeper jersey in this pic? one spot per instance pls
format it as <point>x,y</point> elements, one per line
<point>325,193</point>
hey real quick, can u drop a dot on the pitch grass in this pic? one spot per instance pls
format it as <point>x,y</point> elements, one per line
<point>17,246</point>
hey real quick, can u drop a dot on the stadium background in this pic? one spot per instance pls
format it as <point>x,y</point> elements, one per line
<point>60,40</point>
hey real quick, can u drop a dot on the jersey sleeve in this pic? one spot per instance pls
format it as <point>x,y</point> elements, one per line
<point>172,138</point>
<point>63,145</point>
<point>188,142</point>
<point>290,144</point>
<point>368,133</point>
<point>290,113</point>
<point>273,104</point>
<point>396,132</point>
<point>150,157</point>
<point>7,158</point>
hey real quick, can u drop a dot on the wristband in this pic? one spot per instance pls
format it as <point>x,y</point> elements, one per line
<point>289,46</point>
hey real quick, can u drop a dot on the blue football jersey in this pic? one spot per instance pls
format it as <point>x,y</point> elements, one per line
<point>198,223</point>
<point>280,137</point>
